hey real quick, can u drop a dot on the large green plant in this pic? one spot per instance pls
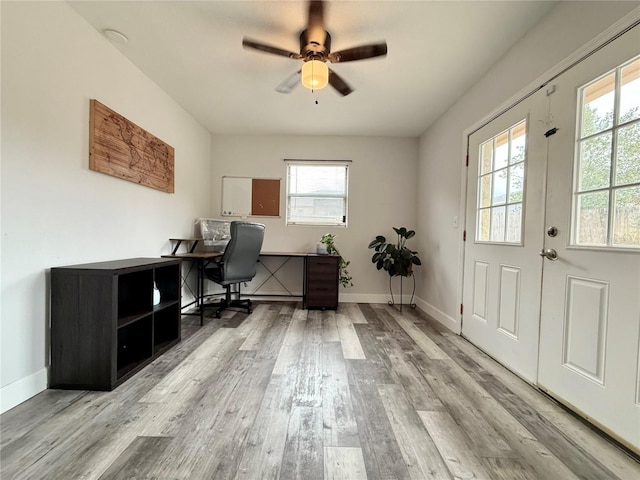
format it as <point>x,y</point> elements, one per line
<point>329,240</point>
<point>395,258</point>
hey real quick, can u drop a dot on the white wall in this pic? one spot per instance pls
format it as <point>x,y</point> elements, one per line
<point>565,30</point>
<point>382,193</point>
<point>55,211</point>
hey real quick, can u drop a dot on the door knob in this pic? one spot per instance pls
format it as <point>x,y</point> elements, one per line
<point>550,253</point>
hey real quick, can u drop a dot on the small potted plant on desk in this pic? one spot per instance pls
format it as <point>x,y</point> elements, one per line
<point>396,259</point>
<point>328,241</point>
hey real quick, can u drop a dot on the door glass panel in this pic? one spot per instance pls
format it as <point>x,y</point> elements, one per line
<point>593,218</point>
<point>598,101</point>
<point>628,155</point>
<point>602,166</point>
<point>630,92</point>
<point>484,225</point>
<point>595,163</point>
<point>501,156</point>
<point>518,143</point>
<point>486,153</point>
<point>485,191</point>
<point>501,186</point>
<point>516,183</point>
<point>626,217</point>
<point>497,224</point>
<point>514,223</point>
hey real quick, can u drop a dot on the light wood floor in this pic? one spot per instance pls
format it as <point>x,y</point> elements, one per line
<point>364,392</point>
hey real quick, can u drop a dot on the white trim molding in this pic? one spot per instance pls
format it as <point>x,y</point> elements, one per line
<point>17,392</point>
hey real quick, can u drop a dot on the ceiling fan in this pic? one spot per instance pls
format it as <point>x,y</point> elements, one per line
<point>315,51</point>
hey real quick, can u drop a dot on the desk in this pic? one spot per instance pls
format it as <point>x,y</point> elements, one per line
<point>192,242</point>
<point>320,275</point>
<point>272,274</point>
<point>202,258</point>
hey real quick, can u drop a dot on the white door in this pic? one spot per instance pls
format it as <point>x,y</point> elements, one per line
<point>590,312</point>
<point>505,207</point>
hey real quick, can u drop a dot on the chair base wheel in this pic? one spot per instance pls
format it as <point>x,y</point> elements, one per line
<point>245,305</point>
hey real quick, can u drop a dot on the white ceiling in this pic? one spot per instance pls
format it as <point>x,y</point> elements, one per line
<point>193,50</point>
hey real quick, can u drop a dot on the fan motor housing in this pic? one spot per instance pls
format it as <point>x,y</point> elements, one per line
<point>312,49</point>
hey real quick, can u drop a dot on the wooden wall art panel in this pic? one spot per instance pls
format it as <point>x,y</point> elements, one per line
<point>122,149</point>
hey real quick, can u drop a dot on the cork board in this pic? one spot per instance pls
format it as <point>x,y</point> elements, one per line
<point>265,197</point>
<point>120,148</point>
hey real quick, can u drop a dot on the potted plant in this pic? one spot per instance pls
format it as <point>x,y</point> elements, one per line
<point>396,258</point>
<point>328,240</point>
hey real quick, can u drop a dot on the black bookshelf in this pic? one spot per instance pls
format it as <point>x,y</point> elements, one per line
<point>104,325</point>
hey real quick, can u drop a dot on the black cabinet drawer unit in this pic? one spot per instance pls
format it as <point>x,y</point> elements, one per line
<point>104,325</point>
<point>321,281</point>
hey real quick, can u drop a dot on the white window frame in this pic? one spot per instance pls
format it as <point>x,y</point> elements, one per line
<point>290,196</point>
<point>489,173</point>
<point>612,187</point>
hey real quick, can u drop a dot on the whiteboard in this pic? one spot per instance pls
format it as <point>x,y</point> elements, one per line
<point>236,196</point>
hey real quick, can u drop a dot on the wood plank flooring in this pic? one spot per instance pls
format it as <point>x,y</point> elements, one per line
<point>365,392</point>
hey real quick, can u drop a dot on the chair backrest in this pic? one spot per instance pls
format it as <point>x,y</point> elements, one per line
<point>241,255</point>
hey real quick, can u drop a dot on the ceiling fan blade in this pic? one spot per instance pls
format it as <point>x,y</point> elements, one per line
<point>248,43</point>
<point>339,84</point>
<point>359,53</point>
<point>289,83</point>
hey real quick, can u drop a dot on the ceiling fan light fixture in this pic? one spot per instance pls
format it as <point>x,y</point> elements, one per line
<point>315,74</point>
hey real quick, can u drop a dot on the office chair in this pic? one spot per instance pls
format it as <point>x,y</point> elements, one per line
<point>237,264</point>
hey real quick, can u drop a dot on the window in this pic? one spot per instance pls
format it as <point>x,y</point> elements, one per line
<point>606,185</point>
<point>317,193</point>
<point>501,186</point>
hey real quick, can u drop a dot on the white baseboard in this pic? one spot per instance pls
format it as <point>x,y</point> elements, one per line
<point>17,392</point>
<point>365,298</point>
<point>448,321</point>
<point>342,298</point>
